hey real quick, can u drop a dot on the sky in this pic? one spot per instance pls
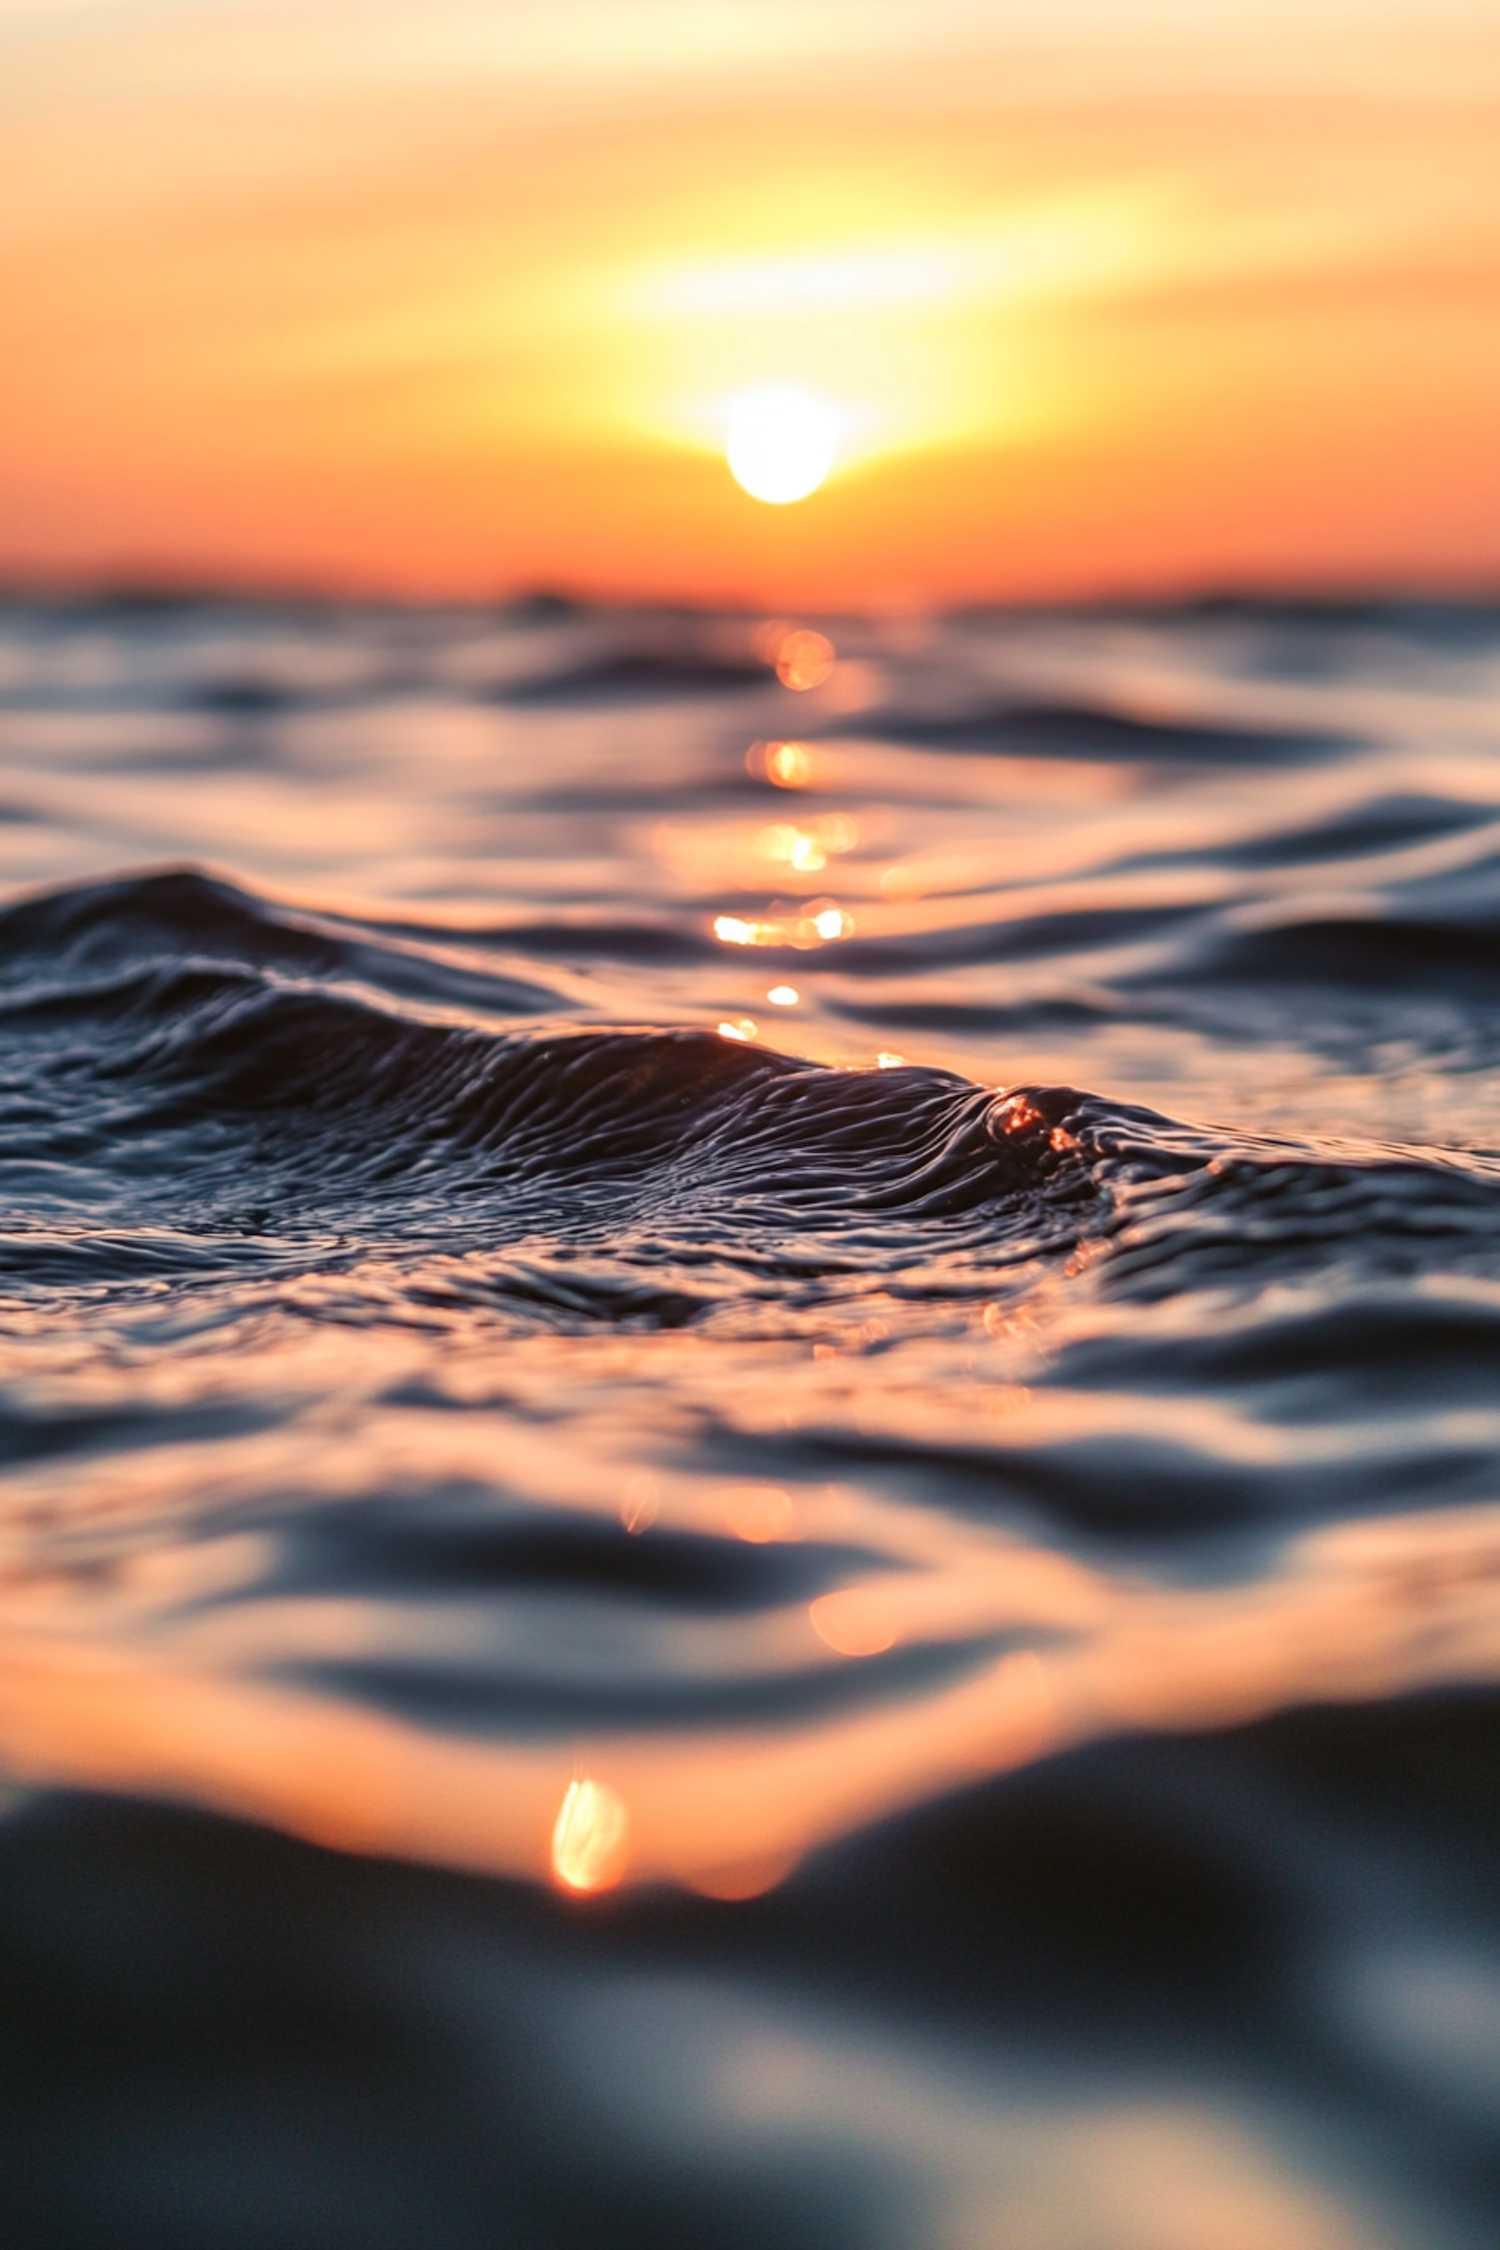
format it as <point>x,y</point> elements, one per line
<point>459,297</point>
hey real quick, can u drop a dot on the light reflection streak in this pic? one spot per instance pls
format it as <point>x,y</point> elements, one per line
<point>796,846</point>
<point>809,849</point>
<point>641,1503</point>
<point>820,925</point>
<point>724,857</point>
<point>149,1676</point>
<point>786,765</point>
<point>590,1838</point>
<point>1359,1612</point>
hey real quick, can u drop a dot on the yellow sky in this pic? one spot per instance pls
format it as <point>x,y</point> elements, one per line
<point>455,297</point>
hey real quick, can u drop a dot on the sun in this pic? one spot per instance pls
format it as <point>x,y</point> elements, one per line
<point>781,443</point>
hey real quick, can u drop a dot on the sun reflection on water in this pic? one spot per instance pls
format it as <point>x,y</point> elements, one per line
<point>820,925</point>
<point>804,660</point>
<point>786,765</point>
<point>590,1839</point>
<point>807,850</point>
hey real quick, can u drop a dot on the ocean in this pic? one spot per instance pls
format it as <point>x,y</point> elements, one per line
<point>750,1398</point>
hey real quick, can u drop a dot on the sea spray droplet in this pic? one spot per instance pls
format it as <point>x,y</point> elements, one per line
<point>590,1838</point>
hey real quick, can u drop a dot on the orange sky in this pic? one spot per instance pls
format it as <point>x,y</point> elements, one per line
<point>452,297</point>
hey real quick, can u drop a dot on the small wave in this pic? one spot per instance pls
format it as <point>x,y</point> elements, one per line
<point>634,675</point>
<point>52,948</point>
<point>260,1122</point>
<point>1383,950</point>
<point>216,1064</point>
<point>202,1054</point>
<point>1093,732</point>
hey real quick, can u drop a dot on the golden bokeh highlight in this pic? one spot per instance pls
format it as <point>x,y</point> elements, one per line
<point>805,660</point>
<point>786,765</point>
<point>807,850</point>
<point>590,1838</point>
<point>821,924</point>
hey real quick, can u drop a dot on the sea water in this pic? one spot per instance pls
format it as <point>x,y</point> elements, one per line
<point>750,1396</point>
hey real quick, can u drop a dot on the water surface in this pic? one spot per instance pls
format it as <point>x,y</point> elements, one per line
<point>749,1430</point>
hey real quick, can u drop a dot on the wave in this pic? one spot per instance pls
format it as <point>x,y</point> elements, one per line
<point>1090,731</point>
<point>209,1065</point>
<point>1230,1384</point>
<point>457,1406</point>
<point>633,675</point>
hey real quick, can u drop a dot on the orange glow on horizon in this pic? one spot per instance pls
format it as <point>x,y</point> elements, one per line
<point>1093,296</point>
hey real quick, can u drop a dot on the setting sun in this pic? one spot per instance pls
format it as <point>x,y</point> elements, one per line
<point>1035,300</point>
<point>781,443</point>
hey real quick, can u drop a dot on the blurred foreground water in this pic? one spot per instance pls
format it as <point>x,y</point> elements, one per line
<point>751,1442</point>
